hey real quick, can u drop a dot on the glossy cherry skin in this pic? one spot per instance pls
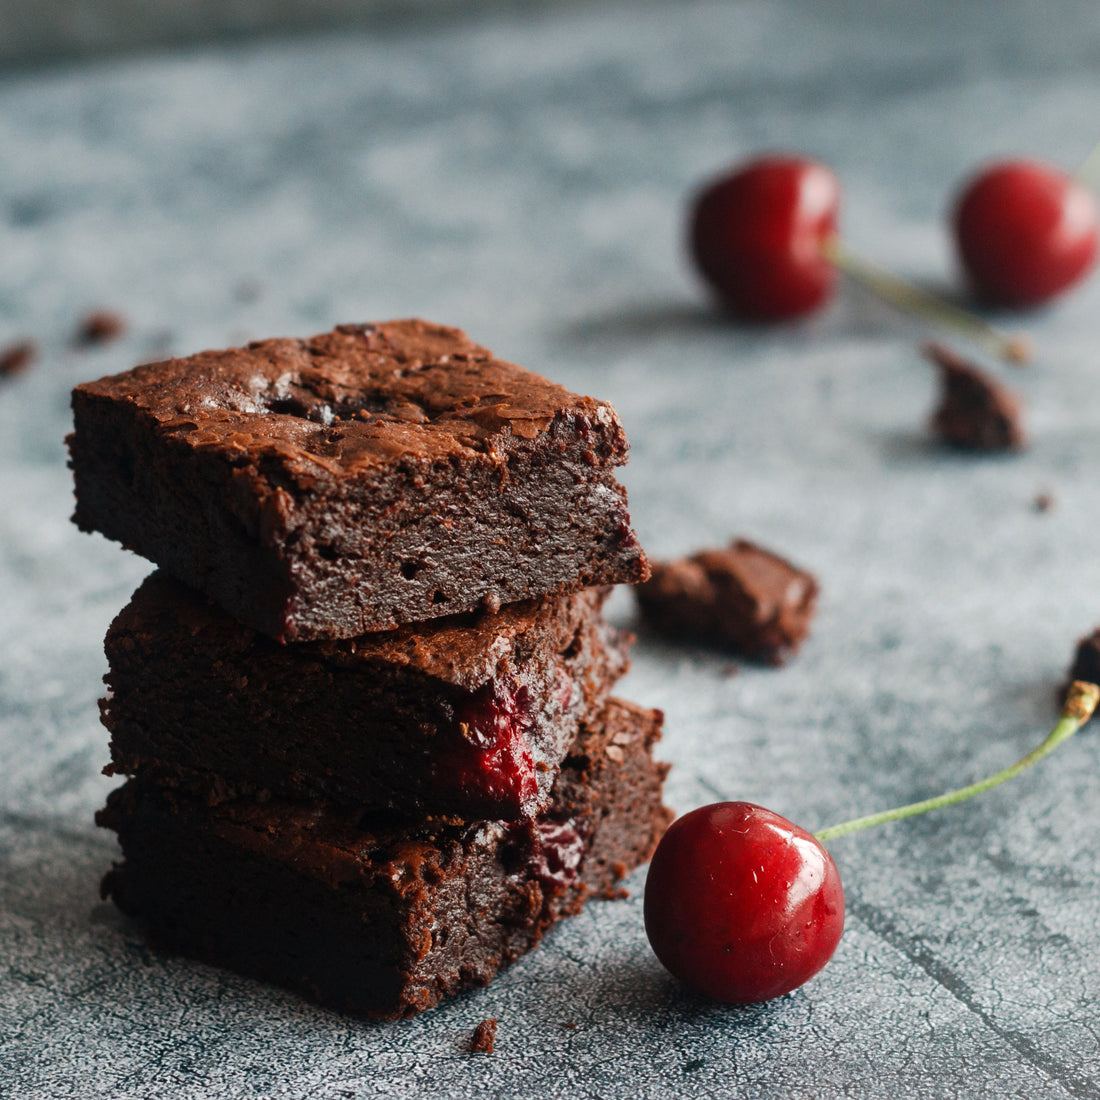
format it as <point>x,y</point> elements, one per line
<point>1025,232</point>
<point>740,904</point>
<point>756,237</point>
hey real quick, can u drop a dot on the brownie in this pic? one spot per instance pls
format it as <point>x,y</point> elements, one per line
<point>743,598</point>
<point>376,920</point>
<point>466,715</point>
<point>371,476</point>
<point>975,412</point>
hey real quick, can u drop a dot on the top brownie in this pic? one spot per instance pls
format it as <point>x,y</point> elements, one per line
<point>371,476</point>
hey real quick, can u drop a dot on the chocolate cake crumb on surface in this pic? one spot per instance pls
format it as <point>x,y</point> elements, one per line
<point>374,475</point>
<point>743,598</point>
<point>976,412</point>
<point>1086,660</point>
<point>100,327</point>
<point>17,357</point>
<point>484,1037</point>
<point>373,917</point>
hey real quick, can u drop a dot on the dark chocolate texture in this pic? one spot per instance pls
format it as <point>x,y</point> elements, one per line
<point>370,476</point>
<point>743,598</point>
<point>976,412</point>
<point>377,921</point>
<point>468,715</point>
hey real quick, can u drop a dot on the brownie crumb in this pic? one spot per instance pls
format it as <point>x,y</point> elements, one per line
<point>484,1037</point>
<point>743,598</point>
<point>100,327</point>
<point>976,412</point>
<point>17,357</point>
<point>1043,502</point>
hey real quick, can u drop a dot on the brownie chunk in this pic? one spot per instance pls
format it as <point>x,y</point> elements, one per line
<point>743,598</point>
<point>976,413</point>
<point>376,920</point>
<point>484,1037</point>
<point>371,476</point>
<point>468,715</point>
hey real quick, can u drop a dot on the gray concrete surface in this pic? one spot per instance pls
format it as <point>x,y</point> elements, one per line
<point>525,178</point>
<point>48,31</point>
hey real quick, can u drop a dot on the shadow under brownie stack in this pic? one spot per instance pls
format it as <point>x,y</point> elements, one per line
<point>364,704</point>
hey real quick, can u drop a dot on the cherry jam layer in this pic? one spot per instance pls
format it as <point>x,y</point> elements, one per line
<point>490,762</point>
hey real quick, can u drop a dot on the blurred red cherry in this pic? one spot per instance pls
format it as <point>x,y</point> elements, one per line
<point>756,236</point>
<point>740,904</point>
<point>1025,232</point>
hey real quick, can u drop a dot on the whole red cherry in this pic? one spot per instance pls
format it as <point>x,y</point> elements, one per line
<point>740,904</point>
<point>756,236</point>
<point>1025,232</point>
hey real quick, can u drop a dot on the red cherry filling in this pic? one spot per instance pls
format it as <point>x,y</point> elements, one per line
<point>740,904</point>
<point>1025,232</point>
<point>561,854</point>
<point>757,237</point>
<point>492,764</point>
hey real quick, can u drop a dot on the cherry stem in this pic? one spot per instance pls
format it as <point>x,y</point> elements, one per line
<point>1013,348</point>
<point>1080,703</point>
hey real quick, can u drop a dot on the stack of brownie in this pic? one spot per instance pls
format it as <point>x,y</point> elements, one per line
<point>364,704</point>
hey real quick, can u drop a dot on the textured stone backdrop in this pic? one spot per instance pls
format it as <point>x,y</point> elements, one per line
<point>524,177</point>
<point>33,31</point>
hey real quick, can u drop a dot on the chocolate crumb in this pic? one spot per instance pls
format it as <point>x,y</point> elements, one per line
<point>485,1035</point>
<point>976,412</point>
<point>568,1023</point>
<point>743,598</point>
<point>17,357</point>
<point>100,327</point>
<point>1043,502</point>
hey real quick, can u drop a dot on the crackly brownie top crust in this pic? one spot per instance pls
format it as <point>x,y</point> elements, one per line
<point>463,650</point>
<point>356,399</point>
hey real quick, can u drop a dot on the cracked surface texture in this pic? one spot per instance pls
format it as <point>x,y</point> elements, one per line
<point>524,179</point>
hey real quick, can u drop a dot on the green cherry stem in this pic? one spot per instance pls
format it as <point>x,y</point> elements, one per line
<point>1080,703</point>
<point>911,299</point>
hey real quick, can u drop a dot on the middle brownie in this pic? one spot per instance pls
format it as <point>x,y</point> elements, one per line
<point>470,715</point>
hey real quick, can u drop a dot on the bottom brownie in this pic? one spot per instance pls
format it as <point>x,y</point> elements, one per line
<point>375,919</point>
